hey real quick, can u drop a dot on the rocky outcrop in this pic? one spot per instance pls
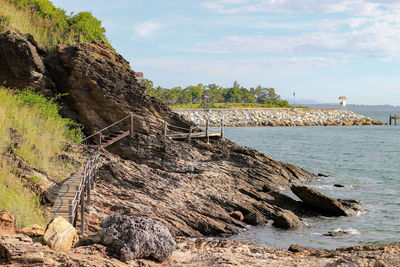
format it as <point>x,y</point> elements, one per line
<point>21,62</point>
<point>324,204</point>
<point>276,117</point>
<point>20,250</point>
<point>132,237</point>
<point>102,89</point>
<point>7,223</point>
<point>33,231</point>
<point>60,234</point>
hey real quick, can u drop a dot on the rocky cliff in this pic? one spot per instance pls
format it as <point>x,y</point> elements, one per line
<point>193,188</point>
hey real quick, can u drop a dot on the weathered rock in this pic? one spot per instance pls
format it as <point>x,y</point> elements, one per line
<point>60,234</point>
<point>33,231</point>
<point>326,205</point>
<point>297,248</point>
<point>21,62</point>
<point>19,250</point>
<point>340,232</point>
<point>7,223</point>
<point>286,219</point>
<point>133,237</point>
<point>237,215</point>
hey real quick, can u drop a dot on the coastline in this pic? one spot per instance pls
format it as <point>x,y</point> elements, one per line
<point>276,117</point>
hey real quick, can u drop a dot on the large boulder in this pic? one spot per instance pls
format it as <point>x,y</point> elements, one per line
<point>322,203</point>
<point>7,223</point>
<point>60,234</point>
<point>132,237</point>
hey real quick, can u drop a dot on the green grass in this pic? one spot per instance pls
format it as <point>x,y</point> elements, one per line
<point>44,134</point>
<point>18,199</point>
<point>228,105</point>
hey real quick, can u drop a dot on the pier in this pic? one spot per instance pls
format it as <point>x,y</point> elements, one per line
<point>394,118</point>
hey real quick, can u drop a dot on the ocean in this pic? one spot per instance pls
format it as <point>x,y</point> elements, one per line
<point>365,159</point>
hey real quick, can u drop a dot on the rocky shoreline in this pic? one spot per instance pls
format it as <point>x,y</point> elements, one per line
<point>276,117</point>
<point>192,188</point>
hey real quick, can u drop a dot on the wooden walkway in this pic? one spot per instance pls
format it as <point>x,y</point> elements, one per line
<point>74,190</point>
<point>72,193</point>
<point>179,133</point>
<point>394,118</point>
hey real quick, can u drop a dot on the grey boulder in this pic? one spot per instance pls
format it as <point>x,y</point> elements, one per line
<point>132,237</point>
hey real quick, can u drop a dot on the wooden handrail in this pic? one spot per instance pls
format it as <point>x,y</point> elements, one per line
<point>109,126</point>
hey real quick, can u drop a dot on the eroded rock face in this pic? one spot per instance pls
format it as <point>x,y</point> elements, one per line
<point>60,234</point>
<point>21,62</point>
<point>102,89</point>
<point>132,237</point>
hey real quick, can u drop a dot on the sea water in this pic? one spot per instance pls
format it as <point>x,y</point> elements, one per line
<point>365,159</point>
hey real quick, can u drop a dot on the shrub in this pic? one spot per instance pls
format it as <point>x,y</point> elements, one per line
<point>49,25</point>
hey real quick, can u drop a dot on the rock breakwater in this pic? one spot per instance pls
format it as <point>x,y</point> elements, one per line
<point>276,117</point>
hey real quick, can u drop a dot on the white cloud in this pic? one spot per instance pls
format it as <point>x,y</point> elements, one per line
<point>148,28</point>
<point>372,30</point>
<point>152,27</point>
<point>239,67</point>
<point>296,6</point>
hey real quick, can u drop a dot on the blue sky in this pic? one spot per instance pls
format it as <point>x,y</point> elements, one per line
<point>318,49</point>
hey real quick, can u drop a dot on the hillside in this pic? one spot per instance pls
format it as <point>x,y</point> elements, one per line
<point>32,142</point>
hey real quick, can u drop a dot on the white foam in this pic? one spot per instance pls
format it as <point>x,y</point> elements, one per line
<point>350,231</point>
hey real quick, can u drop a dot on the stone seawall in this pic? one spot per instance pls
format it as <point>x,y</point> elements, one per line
<point>276,117</point>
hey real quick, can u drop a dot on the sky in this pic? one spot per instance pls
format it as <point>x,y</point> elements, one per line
<point>319,49</point>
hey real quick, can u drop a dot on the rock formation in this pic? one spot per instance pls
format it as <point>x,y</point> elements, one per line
<point>60,234</point>
<point>132,237</point>
<point>7,223</point>
<point>20,250</point>
<point>21,62</point>
<point>324,204</point>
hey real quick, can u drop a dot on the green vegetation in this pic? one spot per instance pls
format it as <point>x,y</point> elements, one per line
<point>49,25</point>
<point>215,96</point>
<point>43,134</point>
<point>18,199</point>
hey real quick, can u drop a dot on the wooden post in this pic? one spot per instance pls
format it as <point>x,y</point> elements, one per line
<point>165,129</point>
<point>222,129</point>
<point>83,211</point>
<point>207,133</point>
<point>70,215</point>
<point>88,189</point>
<point>190,134</point>
<point>131,123</point>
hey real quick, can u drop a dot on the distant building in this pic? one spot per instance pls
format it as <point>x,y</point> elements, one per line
<point>342,101</point>
<point>139,76</point>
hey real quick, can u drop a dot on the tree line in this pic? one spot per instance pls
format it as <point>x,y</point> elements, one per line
<point>212,93</point>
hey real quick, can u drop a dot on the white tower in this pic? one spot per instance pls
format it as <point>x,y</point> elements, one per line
<point>342,101</point>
